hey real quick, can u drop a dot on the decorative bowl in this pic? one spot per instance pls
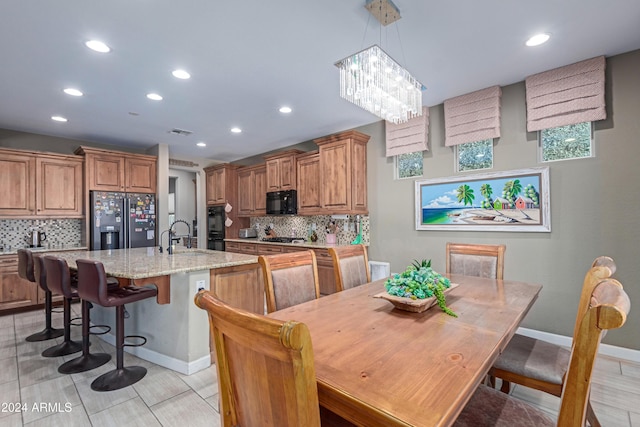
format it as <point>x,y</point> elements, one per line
<point>413,305</point>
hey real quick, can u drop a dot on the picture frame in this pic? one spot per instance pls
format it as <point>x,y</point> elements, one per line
<point>515,200</point>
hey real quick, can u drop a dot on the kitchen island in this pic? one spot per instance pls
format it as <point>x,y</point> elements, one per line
<point>177,331</point>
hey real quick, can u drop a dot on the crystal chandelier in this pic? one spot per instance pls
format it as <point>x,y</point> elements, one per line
<point>372,80</point>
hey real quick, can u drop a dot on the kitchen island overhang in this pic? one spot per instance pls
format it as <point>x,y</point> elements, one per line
<point>177,331</point>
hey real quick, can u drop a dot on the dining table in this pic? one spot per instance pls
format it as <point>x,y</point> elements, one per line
<point>377,365</point>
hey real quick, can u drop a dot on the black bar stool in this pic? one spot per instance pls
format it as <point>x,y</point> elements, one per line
<point>59,282</point>
<point>26,270</point>
<point>92,286</point>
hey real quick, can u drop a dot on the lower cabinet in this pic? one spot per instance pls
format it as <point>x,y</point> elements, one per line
<point>15,292</point>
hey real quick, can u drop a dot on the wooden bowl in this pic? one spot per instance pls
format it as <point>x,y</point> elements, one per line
<point>413,305</point>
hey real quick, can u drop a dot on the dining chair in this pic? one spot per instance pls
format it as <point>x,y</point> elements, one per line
<point>542,365</point>
<point>476,260</point>
<point>289,279</point>
<point>266,374</point>
<point>608,309</point>
<point>350,266</point>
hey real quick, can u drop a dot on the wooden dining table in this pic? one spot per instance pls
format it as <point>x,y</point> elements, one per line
<point>380,366</point>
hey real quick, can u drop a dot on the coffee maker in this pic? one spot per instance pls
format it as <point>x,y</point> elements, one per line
<point>36,237</point>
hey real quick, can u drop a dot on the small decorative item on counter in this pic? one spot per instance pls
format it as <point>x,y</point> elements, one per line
<point>420,287</point>
<point>331,232</point>
<point>270,232</point>
<point>313,237</point>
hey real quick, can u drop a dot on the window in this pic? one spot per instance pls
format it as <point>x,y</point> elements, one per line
<point>474,155</point>
<point>566,142</point>
<point>409,165</point>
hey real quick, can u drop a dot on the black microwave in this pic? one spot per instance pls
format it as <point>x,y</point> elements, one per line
<point>282,202</point>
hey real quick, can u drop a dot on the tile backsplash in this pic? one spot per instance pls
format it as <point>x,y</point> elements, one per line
<point>302,226</point>
<point>14,233</point>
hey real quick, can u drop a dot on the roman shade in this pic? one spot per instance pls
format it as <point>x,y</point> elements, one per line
<point>566,95</point>
<point>408,137</point>
<point>472,117</point>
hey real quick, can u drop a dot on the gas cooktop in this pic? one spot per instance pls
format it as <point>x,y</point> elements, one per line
<point>283,239</point>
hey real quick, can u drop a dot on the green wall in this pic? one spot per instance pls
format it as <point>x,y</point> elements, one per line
<point>595,205</point>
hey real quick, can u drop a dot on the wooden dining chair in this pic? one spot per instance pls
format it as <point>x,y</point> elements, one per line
<point>289,279</point>
<point>608,309</point>
<point>266,375</point>
<point>476,260</point>
<point>542,365</point>
<point>350,266</point>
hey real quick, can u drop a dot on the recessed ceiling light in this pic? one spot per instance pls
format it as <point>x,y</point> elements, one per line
<point>236,130</point>
<point>201,144</point>
<point>98,46</point>
<point>73,92</point>
<point>285,110</point>
<point>538,39</point>
<point>154,96</point>
<point>181,74</point>
<point>58,118</point>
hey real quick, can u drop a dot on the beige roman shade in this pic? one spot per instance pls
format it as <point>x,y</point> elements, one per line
<point>566,95</point>
<point>408,137</point>
<point>472,117</point>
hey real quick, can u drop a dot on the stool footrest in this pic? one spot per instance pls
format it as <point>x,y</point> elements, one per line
<point>140,337</point>
<point>75,320</point>
<point>106,330</point>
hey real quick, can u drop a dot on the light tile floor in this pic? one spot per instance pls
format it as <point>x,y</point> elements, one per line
<point>163,397</point>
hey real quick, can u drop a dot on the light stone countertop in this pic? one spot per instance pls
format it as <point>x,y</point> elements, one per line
<point>310,245</point>
<point>140,263</point>
<point>14,251</point>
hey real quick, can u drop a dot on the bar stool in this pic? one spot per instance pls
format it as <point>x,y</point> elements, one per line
<point>92,286</point>
<point>26,271</point>
<point>59,281</point>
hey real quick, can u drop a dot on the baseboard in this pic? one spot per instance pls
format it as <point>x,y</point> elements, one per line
<point>186,368</point>
<point>605,349</point>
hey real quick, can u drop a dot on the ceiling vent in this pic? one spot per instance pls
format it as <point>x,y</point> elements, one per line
<point>178,131</point>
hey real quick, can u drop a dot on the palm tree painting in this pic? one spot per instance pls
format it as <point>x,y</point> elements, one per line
<point>471,202</point>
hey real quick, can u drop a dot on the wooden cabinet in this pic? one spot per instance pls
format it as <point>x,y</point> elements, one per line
<point>308,178</point>
<point>222,183</point>
<point>119,171</point>
<point>241,248</point>
<point>37,184</point>
<point>281,170</point>
<point>14,291</point>
<point>252,200</point>
<point>343,172</point>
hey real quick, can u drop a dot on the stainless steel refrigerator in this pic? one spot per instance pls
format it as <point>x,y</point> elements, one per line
<point>122,220</point>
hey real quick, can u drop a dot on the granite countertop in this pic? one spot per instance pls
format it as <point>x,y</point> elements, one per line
<point>311,245</point>
<point>139,263</point>
<point>14,251</point>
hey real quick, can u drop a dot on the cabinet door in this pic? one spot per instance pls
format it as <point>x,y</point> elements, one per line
<point>273,175</point>
<point>260,193</point>
<point>219,183</point>
<point>288,173</point>
<point>106,172</point>
<point>14,291</point>
<point>17,185</point>
<point>336,179</point>
<point>59,187</point>
<point>246,188</point>
<point>359,178</point>
<point>309,185</point>
<point>140,175</point>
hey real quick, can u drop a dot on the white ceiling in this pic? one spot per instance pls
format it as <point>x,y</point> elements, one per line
<point>249,57</point>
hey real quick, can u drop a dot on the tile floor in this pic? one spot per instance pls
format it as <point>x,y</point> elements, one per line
<point>167,398</point>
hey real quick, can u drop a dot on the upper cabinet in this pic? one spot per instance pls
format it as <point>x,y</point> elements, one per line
<point>118,171</point>
<point>308,171</point>
<point>35,184</point>
<point>281,170</point>
<point>343,173</point>
<point>222,183</point>
<point>252,189</point>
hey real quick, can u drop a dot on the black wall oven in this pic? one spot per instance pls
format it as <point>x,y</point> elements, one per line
<point>215,224</point>
<point>282,202</point>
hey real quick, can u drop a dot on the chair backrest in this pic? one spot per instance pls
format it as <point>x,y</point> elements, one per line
<point>289,279</point>
<point>476,260</point>
<point>350,266</point>
<point>266,375</point>
<point>39,272</point>
<point>25,265</point>
<point>58,276</point>
<point>609,306</point>
<point>92,281</point>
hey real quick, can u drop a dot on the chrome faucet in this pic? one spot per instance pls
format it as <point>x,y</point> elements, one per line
<point>172,233</point>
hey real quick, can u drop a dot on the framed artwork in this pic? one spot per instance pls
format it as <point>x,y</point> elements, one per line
<point>516,200</point>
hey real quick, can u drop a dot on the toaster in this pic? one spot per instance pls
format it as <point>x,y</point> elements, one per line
<point>245,233</point>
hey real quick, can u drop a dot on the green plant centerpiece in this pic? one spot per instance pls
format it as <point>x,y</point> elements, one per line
<point>419,281</point>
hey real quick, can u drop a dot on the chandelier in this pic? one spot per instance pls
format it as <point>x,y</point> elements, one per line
<point>372,80</point>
